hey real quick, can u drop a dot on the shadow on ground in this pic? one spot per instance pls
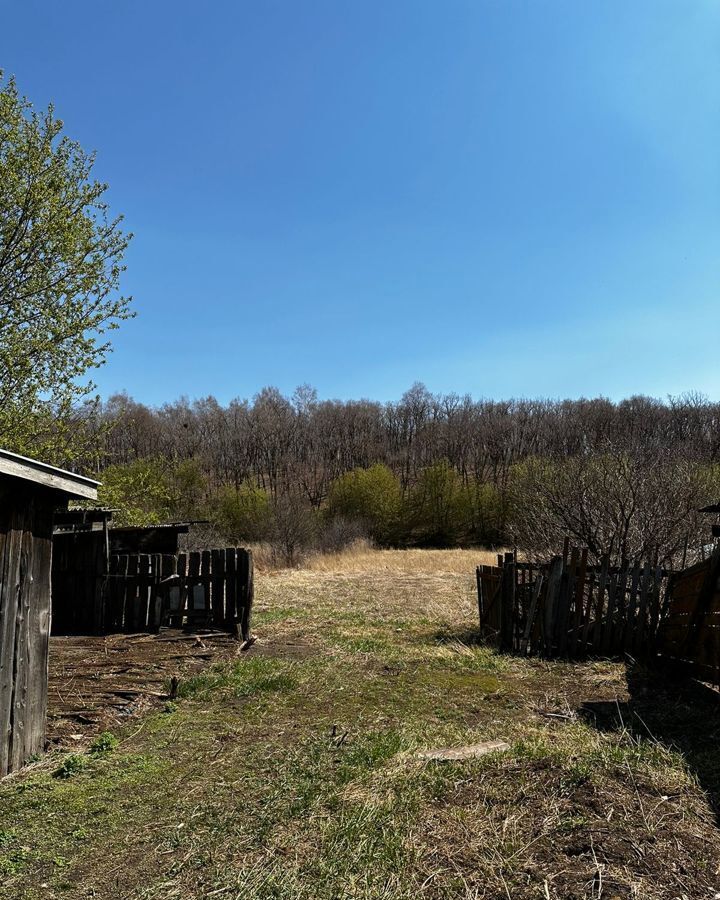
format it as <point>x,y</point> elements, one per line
<point>681,714</point>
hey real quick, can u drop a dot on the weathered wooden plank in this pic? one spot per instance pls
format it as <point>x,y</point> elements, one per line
<point>600,606</point>
<point>567,590</point>
<point>196,599</point>
<point>655,600</point>
<point>23,623</point>
<point>218,588</point>
<point>8,618</point>
<point>206,573</point>
<point>629,623</point>
<point>507,605</point>
<point>551,602</point>
<point>156,593</point>
<point>639,643</point>
<point>248,596</point>
<point>525,643</point>
<point>230,586</point>
<point>578,606</point>
<point>184,598</point>
<point>39,630</point>
<point>132,599</point>
<point>583,639</point>
<point>618,621</point>
<point>46,476</point>
<point>143,596</point>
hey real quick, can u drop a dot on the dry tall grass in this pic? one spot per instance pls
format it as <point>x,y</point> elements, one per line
<point>380,584</point>
<point>362,558</point>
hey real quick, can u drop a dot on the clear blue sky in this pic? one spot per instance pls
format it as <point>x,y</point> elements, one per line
<point>505,197</point>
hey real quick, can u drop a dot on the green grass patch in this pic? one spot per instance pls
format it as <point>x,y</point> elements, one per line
<point>252,676</point>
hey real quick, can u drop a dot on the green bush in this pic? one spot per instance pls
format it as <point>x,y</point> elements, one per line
<point>242,514</point>
<point>439,506</point>
<point>372,496</point>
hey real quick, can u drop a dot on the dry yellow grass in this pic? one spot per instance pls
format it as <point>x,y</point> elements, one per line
<point>361,559</point>
<point>379,584</point>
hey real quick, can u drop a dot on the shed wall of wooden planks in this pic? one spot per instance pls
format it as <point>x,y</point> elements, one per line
<point>26,513</point>
<point>689,635</point>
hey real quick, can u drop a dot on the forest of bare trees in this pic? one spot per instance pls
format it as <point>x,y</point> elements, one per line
<point>623,478</point>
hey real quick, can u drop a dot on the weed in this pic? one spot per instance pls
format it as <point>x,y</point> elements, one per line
<point>103,743</point>
<point>72,765</point>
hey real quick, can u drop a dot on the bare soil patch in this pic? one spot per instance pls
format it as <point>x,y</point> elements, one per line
<point>97,683</point>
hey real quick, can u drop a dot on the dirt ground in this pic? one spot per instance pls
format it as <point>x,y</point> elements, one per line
<point>97,683</point>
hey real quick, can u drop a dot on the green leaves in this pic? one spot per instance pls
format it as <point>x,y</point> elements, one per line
<point>60,266</point>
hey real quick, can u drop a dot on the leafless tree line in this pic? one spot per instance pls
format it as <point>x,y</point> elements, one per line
<point>619,472</point>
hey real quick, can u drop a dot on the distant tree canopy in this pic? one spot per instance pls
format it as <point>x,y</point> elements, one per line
<point>60,265</point>
<point>624,478</point>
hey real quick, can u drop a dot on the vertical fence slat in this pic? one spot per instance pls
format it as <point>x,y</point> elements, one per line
<point>168,587</point>
<point>629,619</point>
<point>621,601</point>
<point>525,644</point>
<point>600,604</point>
<point>551,602</point>
<point>230,586</point>
<point>218,588</point>
<point>206,584</point>
<point>143,593</point>
<point>248,595</point>
<point>184,594</point>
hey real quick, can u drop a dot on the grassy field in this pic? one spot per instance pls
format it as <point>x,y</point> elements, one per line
<point>293,770</point>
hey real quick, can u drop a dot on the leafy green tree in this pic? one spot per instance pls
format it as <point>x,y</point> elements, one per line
<point>141,491</point>
<point>439,505</point>
<point>242,514</point>
<point>60,265</point>
<point>188,487</point>
<point>372,496</point>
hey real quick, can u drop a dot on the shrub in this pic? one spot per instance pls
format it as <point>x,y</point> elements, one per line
<point>439,506</point>
<point>243,514</point>
<point>293,529</point>
<point>371,496</point>
<point>150,491</point>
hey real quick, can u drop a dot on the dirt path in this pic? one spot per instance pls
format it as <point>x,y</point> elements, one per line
<point>293,772</point>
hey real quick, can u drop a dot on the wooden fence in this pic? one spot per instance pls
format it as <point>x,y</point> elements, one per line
<point>569,608</point>
<point>143,591</point>
<point>689,634</point>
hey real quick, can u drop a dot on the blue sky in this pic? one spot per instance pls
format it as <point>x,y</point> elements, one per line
<point>501,197</point>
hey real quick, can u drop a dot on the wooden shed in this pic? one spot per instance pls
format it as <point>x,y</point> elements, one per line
<point>84,543</point>
<point>30,493</point>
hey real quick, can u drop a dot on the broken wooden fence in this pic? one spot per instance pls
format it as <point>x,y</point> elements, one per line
<point>570,608</point>
<point>146,591</point>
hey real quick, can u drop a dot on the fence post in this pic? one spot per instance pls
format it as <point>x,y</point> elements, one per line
<point>478,580</point>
